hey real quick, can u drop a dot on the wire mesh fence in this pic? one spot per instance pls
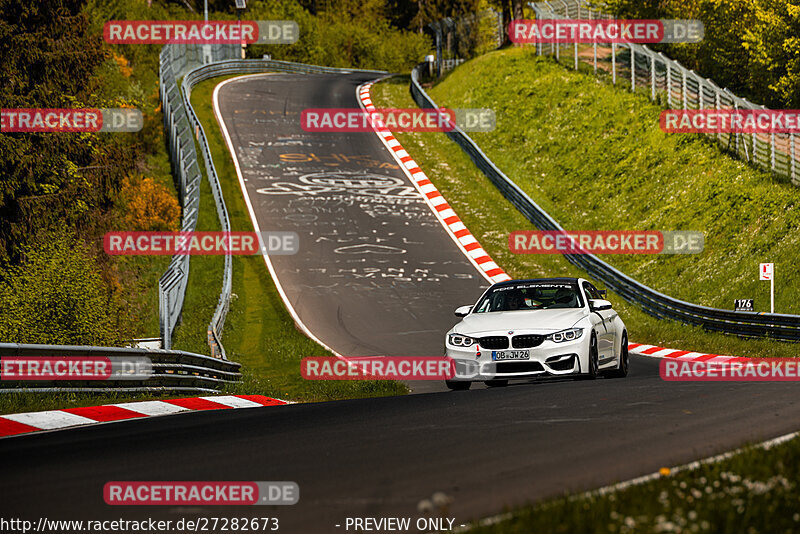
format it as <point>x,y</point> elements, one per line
<point>181,127</point>
<point>459,39</point>
<point>671,84</point>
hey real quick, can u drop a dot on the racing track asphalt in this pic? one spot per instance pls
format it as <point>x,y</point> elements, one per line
<point>485,448</point>
<point>376,273</point>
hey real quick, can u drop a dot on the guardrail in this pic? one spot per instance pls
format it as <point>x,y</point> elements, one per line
<point>639,67</point>
<point>179,122</point>
<point>172,370</point>
<point>175,62</point>
<point>747,324</point>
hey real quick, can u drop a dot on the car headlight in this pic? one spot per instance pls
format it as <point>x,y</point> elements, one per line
<point>461,341</point>
<point>570,334</point>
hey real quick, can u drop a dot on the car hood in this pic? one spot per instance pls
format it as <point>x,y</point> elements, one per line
<point>544,320</point>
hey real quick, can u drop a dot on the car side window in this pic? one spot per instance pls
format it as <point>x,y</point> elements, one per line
<point>591,291</point>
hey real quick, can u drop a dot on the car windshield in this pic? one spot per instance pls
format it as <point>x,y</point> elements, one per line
<point>530,296</point>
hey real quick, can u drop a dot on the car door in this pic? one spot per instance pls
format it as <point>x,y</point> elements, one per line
<point>606,334</point>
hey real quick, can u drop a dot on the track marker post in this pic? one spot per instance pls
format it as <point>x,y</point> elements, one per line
<point>766,271</point>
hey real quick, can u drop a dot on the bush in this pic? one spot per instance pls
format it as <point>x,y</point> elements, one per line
<point>150,205</point>
<point>57,296</point>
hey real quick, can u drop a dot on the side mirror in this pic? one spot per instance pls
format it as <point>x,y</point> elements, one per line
<point>463,311</point>
<point>599,305</point>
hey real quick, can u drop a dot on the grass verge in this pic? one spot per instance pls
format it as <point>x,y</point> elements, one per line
<point>556,137</point>
<point>754,491</point>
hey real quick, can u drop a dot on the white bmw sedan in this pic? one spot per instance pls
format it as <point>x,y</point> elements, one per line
<point>532,328</point>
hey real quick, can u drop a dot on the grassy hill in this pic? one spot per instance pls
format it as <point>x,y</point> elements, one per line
<point>594,157</point>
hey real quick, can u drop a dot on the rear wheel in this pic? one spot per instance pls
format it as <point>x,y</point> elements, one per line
<point>622,370</point>
<point>496,383</point>
<point>457,385</point>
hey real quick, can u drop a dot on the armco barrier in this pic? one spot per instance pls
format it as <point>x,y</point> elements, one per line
<point>175,62</point>
<point>179,132</point>
<point>747,324</point>
<point>173,370</point>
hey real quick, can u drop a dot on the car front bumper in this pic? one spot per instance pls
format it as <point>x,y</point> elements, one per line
<point>548,359</point>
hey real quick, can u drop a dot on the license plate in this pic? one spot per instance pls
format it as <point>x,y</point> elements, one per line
<point>499,355</point>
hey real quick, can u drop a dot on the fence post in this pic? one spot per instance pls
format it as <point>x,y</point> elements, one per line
<point>614,63</point>
<point>700,103</point>
<point>652,76</point>
<point>794,159</point>
<point>593,16</point>
<point>683,88</point>
<point>669,80</point>
<point>575,50</point>
<point>772,150</point>
<point>633,67</point>
<point>717,106</point>
<point>553,47</point>
<point>755,147</point>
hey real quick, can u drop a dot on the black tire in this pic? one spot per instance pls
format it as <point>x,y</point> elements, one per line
<point>455,385</point>
<point>592,373</point>
<point>496,383</point>
<point>622,370</point>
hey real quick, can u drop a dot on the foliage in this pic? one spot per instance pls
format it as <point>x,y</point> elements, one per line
<point>341,37</point>
<point>150,205</point>
<point>56,296</point>
<point>752,47</point>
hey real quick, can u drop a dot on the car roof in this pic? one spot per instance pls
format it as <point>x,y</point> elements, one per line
<point>527,280</point>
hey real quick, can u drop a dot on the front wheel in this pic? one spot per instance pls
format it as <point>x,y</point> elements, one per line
<point>457,385</point>
<point>593,359</point>
<point>622,369</point>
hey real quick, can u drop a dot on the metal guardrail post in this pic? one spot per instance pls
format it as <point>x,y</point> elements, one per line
<point>633,67</point>
<point>794,158</point>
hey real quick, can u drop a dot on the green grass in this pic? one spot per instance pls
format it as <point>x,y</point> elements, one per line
<point>754,491</point>
<point>593,157</point>
<point>259,332</point>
